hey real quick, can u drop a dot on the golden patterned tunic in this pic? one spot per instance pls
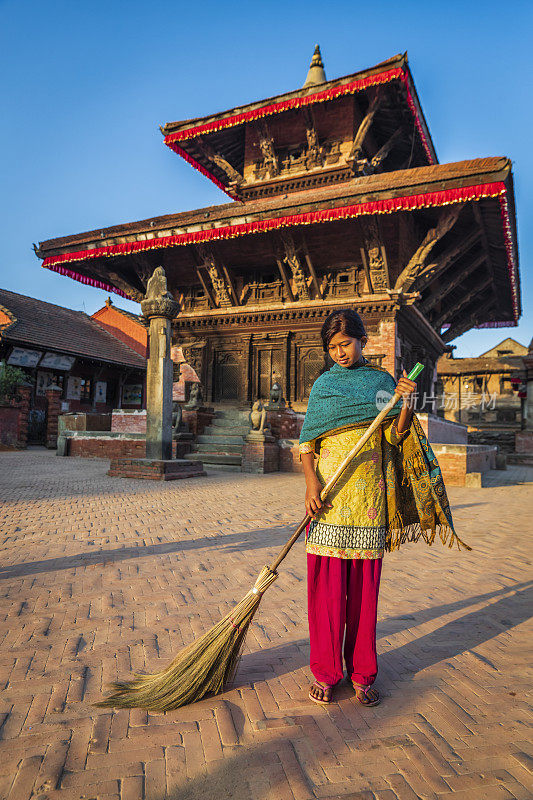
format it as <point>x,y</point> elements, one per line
<point>356,526</point>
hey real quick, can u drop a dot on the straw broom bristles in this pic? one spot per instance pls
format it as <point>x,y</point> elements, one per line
<point>203,667</point>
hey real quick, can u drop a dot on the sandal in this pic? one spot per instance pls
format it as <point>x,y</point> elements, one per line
<point>326,690</point>
<point>366,695</point>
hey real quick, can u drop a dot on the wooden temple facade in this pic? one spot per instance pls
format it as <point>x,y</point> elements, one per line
<point>337,200</point>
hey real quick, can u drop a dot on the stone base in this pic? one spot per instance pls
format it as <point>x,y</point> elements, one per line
<point>442,430</point>
<point>524,442</point>
<point>463,464</point>
<point>155,470</point>
<point>284,423</point>
<point>197,419</point>
<point>260,455</point>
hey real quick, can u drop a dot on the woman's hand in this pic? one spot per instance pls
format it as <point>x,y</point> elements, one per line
<point>406,388</point>
<point>313,503</point>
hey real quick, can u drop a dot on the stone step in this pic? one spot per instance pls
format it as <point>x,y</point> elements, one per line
<point>225,467</point>
<point>233,430</point>
<point>229,422</point>
<point>222,439</point>
<point>522,459</point>
<point>208,447</point>
<point>216,458</point>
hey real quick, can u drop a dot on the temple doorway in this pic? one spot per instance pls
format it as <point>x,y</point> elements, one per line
<point>227,378</point>
<point>268,368</point>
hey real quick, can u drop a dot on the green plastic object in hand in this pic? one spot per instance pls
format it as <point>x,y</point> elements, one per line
<point>415,372</point>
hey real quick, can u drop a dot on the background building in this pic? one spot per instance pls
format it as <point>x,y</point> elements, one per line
<point>95,370</point>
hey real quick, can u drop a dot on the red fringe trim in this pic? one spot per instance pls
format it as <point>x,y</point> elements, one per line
<point>76,276</point>
<point>390,206</point>
<point>192,161</point>
<point>172,139</point>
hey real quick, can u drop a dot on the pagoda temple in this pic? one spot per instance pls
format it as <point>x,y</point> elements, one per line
<point>337,199</point>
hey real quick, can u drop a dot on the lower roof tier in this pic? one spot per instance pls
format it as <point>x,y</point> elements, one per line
<point>445,232</point>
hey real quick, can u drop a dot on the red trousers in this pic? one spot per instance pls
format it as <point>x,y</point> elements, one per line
<point>342,604</point>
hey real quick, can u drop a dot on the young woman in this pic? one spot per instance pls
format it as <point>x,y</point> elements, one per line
<point>391,493</point>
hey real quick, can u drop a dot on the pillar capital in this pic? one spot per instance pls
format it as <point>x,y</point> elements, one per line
<point>164,307</point>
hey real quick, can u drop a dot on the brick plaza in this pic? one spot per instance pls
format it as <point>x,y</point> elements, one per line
<point>102,576</point>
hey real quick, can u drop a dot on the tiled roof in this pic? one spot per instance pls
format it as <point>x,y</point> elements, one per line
<point>460,366</point>
<point>63,330</point>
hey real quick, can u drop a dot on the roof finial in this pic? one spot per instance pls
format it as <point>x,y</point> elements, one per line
<point>316,72</point>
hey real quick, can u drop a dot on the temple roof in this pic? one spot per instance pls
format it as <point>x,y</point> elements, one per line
<point>51,327</point>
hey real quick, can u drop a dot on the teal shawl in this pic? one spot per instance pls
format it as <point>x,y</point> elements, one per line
<point>417,503</point>
<point>345,396</point>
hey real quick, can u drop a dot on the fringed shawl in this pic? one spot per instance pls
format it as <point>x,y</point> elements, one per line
<point>417,503</point>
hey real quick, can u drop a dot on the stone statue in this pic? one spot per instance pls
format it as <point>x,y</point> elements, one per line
<point>156,287</point>
<point>195,397</point>
<point>177,417</point>
<point>275,393</point>
<point>258,417</point>
<point>276,400</point>
<point>260,431</point>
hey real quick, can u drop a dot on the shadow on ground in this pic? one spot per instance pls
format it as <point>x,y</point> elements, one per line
<point>457,636</point>
<point>246,540</point>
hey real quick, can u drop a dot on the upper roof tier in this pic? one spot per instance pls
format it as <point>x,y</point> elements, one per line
<point>322,134</point>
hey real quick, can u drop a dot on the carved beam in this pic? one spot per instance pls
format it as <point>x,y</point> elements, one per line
<point>461,276</point>
<point>356,151</point>
<point>206,288</point>
<point>231,285</point>
<point>484,241</point>
<point>461,327</point>
<point>220,288</point>
<point>385,149</point>
<point>311,269</point>
<point>416,263</point>
<point>432,271</point>
<point>285,279</point>
<point>133,286</point>
<point>235,178</point>
<point>455,308</point>
<point>292,260</point>
<point>375,259</point>
<point>270,159</point>
<point>313,154</point>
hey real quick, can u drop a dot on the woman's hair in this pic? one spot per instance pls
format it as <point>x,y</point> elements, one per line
<point>346,321</point>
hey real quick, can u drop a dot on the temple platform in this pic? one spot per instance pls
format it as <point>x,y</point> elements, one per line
<point>155,469</point>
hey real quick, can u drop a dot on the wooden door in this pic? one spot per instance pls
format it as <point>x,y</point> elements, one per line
<point>227,378</point>
<point>269,368</point>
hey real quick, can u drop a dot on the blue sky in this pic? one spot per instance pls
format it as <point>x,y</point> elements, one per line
<point>85,85</point>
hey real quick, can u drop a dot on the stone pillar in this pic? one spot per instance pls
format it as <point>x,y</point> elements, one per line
<point>24,392</point>
<point>158,308</point>
<point>53,399</point>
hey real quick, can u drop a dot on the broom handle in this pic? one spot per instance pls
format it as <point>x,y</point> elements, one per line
<point>417,369</point>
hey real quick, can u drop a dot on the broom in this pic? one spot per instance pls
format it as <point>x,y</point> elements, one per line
<point>209,663</point>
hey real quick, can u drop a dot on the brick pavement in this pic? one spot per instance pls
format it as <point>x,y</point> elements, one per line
<point>101,576</point>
